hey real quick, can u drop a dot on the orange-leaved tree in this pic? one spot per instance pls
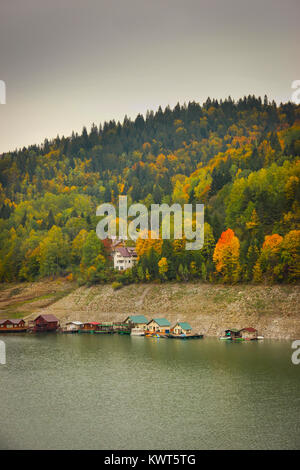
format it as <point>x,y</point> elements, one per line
<point>226,256</point>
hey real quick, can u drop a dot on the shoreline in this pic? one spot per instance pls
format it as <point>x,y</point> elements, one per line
<point>272,310</point>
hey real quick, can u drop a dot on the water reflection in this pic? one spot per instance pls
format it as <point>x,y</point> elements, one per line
<point>86,391</point>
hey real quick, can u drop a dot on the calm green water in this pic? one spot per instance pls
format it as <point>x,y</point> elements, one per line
<point>117,392</point>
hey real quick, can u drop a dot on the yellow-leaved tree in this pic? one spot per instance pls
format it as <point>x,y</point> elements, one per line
<point>163,267</point>
<point>290,255</point>
<point>268,264</point>
<point>144,245</point>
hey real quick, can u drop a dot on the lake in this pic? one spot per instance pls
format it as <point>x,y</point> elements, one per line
<point>117,392</point>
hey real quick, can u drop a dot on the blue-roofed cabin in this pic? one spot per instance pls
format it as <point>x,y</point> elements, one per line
<point>159,325</point>
<point>137,321</point>
<point>182,328</point>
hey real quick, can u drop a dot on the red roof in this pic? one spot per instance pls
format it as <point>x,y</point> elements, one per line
<point>127,252</point>
<point>92,323</point>
<point>48,317</point>
<point>15,321</point>
<point>249,329</point>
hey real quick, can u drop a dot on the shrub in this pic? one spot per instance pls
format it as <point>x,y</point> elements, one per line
<point>116,285</point>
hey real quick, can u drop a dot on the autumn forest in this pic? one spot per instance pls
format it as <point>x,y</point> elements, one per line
<point>239,158</point>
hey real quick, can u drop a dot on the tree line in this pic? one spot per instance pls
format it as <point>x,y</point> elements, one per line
<point>241,159</point>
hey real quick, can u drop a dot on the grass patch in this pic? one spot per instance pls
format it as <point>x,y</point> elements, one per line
<point>14,314</point>
<point>224,296</point>
<point>15,291</point>
<point>54,297</point>
<point>13,309</point>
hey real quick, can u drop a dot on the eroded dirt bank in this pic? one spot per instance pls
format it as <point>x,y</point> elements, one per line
<point>273,310</point>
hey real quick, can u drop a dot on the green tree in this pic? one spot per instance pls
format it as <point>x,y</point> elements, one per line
<point>92,247</point>
<point>53,252</point>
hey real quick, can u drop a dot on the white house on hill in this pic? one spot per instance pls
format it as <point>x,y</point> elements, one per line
<point>124,257</point>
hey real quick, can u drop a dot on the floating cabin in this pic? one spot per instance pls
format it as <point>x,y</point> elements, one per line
<point>105,328</point>
<point>72,327</point>
<point>232,333</point>
<point>159,326</point>
<point>44,323</point>
<point>249,333</point>
<point>137,321</point>
<point>14,325</point>
<point>182,328</point>
<point>89,327</point>
<point>121,328</point>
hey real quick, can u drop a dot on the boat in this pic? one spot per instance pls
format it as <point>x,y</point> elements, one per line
<point>157,335</point>
<point>137,332</point>
<point>225,338</point>
<point>232,334</point>
<point>260,337</point>
<point>184,336</point>
<point>236,339</point>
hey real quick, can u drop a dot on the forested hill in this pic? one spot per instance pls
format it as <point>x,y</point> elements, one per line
<point>241,159</point>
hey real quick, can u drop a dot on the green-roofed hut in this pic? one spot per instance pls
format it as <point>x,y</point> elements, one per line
<point>182,328</point>
<point>159,325</point>
<point>136,321</point>
<point>232,334</point>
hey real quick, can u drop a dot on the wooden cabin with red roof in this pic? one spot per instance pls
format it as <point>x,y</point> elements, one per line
<point>12,325</point>
<point>45,323</point>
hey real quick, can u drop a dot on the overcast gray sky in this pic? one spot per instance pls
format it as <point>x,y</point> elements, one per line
<point>68,63</point>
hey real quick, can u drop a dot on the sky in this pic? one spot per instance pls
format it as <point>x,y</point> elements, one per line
<point>69,63</point>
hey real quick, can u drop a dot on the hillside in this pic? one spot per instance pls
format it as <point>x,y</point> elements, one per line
<point>240,159</point>
<point>273,310</point>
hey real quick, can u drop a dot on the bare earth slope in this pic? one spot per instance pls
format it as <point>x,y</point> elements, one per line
<point>273,310</point>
